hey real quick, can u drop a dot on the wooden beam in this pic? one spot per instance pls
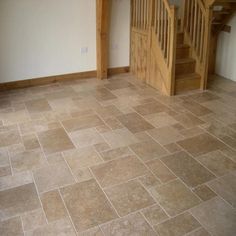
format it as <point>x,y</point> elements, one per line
<point>102,9</point>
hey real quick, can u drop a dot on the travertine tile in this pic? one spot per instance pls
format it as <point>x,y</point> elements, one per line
<point>203,97</point>
<point>116,153</point>
<point>96,231</point>
<point>135,123</point>
<point>103,94</point>
<point>204,192</point>
<point>133,224</point>
<point>53,206</point>
<point>33,219</point>
<point>165,135</point>
<point>173,147</point>
<point>87,205</point>
<point>11,227</point>
<point>155,214</point>
<point>119,138</point>
<point>188,120</point>
<point>38,105</point>
<point>10,137</point>
<point>225,187</point>
<point>187,169</point>
<point>201,144</point>
<point>18,200</point>
<point>31,142</point>
<point>61,227</point>
<point>196,108</point>
<point>150,108</point>
<point>86,137</point>
<point>28,160</point>
<point>216,216</point>
<point>5,170</point>
<point>119,170</point>
<point>160,171</point>
<point>53,176</point>
<point>160,119</point>
<point>118,84</point>
<point>217,162</point>
<point>175,197</point>
<point>83,122</point>
<point>177,226</point>
<point>55,140</point>
<point>199,232</point>
<point>148,150</point>
<point>149,180</point>
<point>129,197</point>
<point>102,147</point>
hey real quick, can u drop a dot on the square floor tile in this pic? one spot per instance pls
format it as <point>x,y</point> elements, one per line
<point>175,197</point>
<point>55,140</point>
<point>118,171</point>
<point>38,105</point>
<point>129,197</point>
<point>12,227</point>
<point>87,205</point>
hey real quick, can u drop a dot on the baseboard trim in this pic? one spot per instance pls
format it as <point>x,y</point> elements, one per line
<point>58,78</point>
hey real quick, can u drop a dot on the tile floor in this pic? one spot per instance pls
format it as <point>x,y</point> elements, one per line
<point>115,157</point>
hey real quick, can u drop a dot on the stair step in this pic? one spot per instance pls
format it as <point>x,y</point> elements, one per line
<point>180,38</point>
<point>187,82</point>
<point>185,66</point>
<point>182,51</point>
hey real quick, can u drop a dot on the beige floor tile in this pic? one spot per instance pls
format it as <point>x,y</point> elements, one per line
<point>53,206</point>
<point>34,219</point>
<point>103,94</point>
<point>187,169</point>
<point>55,140</point>
<point>86,137</point>
<point>129,197</point>
<point>216,216</point>
<point>11,227</point>
<point>175,197</point>
<point>119,170</point>
<point>150,108</point>
<point>116,153</point>
<point>148,150</point>
<point>178,226</point>
<point>102,147</point>
<point>82,157</point>
<point>119,84</point>
<point>196,108</point>
<point>96,231</point>
<point>165,135</point>
<point>108,111</point>
<point>204,192</point>
<point>30,142</point>
<point>28,160</point>
<point>38,105</point>
<point>134,123</point>
<point>199,232</point>
<point>87,205</point>
<point>5,171</point>
<point>203,97</point>
<point>61,227</point>
<point>173,147</point>
<point>149,180</point>
<point>217,162</point>
<point>154,215</point>
<point>133,224</point>
<point>12,181</point>
<point>188,120</point>
<point>225,187</point>
<point>9,138</point>
<point>201,144</point>
<point>53,176</point>
<point>160,171</point>
<point>120,138</point>
<point>83,122</point>
<point>18,200</point>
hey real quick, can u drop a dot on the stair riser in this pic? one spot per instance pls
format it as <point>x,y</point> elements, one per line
<point>185,68</point>
<point>185,85</point>
<point>182,53</point>
<point>180,38</point>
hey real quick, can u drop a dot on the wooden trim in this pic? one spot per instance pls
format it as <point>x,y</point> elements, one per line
<point>58,78</point>
<point>102,21</point>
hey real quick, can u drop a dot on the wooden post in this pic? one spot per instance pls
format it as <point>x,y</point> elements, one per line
<point>102,10</point>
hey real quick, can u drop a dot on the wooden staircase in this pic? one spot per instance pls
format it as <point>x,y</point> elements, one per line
<point>172,53</point>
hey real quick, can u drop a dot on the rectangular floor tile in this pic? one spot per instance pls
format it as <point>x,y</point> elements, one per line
<point>187,169</point>
<point>55,140</point>
<point>150,108</point>
<point>216,216</point>
<point>188,120</point>
<point>12,227</point>
<point>134,122</point>
<point>201,144</point>
<point>129,197</point>
<point>175,197</point>
<point>10,137</point>
<point>18,200</point>
<point>38,105</point>
<point>87,205</point>
<point>119,170</point>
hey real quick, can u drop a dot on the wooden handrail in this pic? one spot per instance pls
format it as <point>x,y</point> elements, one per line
<point>196,22</point>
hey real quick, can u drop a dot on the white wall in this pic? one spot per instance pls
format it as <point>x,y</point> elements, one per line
<point>44,37</point>
<point>226,52</point>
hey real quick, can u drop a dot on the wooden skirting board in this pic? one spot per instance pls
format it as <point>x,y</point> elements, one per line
<point>58,78</point>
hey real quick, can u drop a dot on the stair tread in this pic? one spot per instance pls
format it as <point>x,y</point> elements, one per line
<point>188,76</point>
<point>184,60</point>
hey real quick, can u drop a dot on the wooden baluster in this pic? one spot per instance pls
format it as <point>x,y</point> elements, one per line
<point>195,24</point>
<point>164,41</point>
